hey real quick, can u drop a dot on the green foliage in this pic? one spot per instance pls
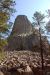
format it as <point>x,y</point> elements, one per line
<point>48,26</point>
<point>6,10</point>
<point>48,23</point>
<point>38,18</point>
<point>48,13</point>
<point>2,44</point>
<point>2,55</point>
<point>3,21</point>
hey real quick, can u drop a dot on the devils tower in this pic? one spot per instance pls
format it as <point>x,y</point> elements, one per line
<point>22,37</point>
<point>22,25</point>
<point>18,37</point>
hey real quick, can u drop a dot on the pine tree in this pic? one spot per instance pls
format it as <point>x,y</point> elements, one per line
<point>6,9</point>
<point>38,20</point>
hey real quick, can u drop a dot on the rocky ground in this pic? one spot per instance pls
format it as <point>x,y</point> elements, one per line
<point>23,63</point>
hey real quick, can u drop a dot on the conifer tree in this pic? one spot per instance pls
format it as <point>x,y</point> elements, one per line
<point>6,9</point>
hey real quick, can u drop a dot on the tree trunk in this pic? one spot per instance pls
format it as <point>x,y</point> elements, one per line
<point>41,50</point>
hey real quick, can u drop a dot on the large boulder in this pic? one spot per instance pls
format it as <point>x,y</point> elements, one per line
<point>1,73</point>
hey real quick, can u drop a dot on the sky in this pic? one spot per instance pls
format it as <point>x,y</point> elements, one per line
<point>28,7</point>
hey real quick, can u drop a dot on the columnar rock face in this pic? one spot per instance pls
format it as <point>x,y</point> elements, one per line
<point>22,25</point>
<point>22,36</point>
<point>23,42</point>
<point>21,30</point>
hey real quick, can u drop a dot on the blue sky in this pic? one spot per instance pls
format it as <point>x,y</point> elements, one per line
<point>28,7</point>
